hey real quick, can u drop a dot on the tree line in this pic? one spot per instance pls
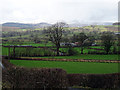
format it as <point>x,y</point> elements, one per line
<point>55,33</point>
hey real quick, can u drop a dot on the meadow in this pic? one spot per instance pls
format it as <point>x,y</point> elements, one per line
<point>88,56</point>
<point>70,67</point>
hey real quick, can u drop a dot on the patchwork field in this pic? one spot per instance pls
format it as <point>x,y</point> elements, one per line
<point>70,67</point>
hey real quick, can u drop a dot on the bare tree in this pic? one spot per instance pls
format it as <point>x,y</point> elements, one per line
<point>55,33</point>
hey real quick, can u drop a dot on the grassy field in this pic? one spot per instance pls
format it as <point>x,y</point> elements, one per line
<point>71,67</point>
<point>96,57</point>
<point>29,43</point>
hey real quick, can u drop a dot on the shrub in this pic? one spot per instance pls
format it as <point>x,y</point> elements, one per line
<point>95,80</point>
<point>38,78</point>
<point>71,51</point>
<point>96,52</point>
<point>19,77</point>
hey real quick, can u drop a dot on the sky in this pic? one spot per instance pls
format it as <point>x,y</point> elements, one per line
<point>52,11</point>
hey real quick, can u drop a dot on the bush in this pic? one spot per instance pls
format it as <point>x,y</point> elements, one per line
<point>95,80</point>
<point>19,77</point>
<point>71,51</point>
<point>96,52</point>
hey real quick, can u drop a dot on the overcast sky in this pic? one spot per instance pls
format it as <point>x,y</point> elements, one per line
<point>51,11</point>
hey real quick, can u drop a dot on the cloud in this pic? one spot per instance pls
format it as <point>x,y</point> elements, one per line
<point>35,11</point>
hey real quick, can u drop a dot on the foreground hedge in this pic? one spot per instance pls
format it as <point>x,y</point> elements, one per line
<point>19,77</point>
<point>38,78</point>
<point>95,80</point>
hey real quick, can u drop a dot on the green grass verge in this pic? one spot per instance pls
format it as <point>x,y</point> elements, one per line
<point>71,67</point>
<point>96,57</point>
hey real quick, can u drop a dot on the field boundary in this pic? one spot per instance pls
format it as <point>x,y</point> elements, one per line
<point>73,60</point>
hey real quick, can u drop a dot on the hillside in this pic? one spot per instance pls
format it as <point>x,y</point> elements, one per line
<point>25,26</point>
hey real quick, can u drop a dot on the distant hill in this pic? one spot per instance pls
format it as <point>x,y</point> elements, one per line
<point>41,25</point>
<point>20,25</point>
<point>116,23</point>
<point>24,26</point>
<point>77,24</point>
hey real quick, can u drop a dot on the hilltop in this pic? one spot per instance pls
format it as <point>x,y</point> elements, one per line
<point>25,26</point>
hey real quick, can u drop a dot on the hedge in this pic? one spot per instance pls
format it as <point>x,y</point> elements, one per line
<point>19,77</point>
<point>38,78</point>
<point>95,80</point>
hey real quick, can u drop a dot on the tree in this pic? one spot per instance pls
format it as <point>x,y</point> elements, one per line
<point>35,39</point>
<point>55,34</point>
<point>65,39</point>
<point>107,39</point>
<point>81,38</point>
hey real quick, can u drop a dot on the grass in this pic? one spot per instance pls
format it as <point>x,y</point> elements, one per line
<point>96,57</point>
<point>29,43</point>
<point>4,51</point>
<point>71,67</point>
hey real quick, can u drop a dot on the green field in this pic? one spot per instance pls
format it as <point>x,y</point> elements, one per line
<point>96,57</point>
<point>29,43</point>
<point>71,67</point>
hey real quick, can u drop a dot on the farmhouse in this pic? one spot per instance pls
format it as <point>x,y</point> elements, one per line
<point>67,44</point>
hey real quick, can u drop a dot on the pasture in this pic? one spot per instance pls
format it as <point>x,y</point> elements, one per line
<point>87,56</point>
<point>70,67</point>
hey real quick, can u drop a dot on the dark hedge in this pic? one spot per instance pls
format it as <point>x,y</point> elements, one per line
<point>19,77</point>
<point>95,80</point>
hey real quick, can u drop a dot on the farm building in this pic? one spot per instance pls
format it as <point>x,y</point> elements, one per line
<point>68,44</point>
